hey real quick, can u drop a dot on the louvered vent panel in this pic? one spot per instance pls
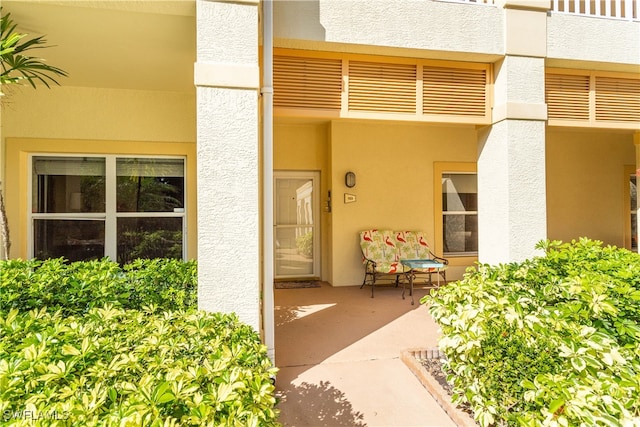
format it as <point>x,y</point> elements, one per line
<point>387,88</point>
<point>313,83</point>
<point>454,91</point>
<point>567,96</point>
<point>617,99</point>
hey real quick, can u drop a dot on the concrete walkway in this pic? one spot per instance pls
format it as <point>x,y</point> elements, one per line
<point>338,351</point>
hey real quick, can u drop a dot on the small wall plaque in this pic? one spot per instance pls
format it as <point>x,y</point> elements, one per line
<point>349,198</point>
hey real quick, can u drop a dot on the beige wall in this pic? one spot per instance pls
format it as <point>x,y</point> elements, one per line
<point>93,120</point>
<point>394,171</point>
<point>98,113</point>
<point>585,184</point>
<point>394,168</point>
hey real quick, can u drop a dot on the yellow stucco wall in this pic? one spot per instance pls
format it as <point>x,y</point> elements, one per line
<point>93,120</point>
<point>99,113</point>
<point>585,184</point>
<point>394,170</point>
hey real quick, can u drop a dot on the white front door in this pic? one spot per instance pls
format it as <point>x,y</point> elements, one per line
<point>297,224</point>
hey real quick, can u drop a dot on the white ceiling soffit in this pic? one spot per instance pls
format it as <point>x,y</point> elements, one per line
<point>141,45</point>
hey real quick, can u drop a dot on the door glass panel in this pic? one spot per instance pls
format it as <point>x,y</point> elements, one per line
<point>75,240</point>
<point>294,233</point>
<point>149,238</point>
<point>150,185</point>
<point>68,184</point>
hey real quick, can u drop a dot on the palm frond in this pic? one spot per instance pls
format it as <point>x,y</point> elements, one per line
<point>15,66</point>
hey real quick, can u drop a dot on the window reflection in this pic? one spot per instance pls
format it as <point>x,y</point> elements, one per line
<point>460,213</point>
<point>85,208</point>
<point>75,240</point>
<point>150,185</point>
<point>68,184</point>
<point>149,238</point>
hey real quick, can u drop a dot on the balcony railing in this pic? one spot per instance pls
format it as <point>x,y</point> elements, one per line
<point>628,10</point>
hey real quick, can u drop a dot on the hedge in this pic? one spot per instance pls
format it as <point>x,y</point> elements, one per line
<point>551,341</point>
<point>91,343</point>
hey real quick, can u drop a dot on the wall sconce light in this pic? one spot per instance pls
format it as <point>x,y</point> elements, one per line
<point>350,179</point>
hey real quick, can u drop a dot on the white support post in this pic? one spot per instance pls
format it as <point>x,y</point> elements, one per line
<point>227,78</point>
<point>268,320</point>
<point>511,152</point>
<point>628,10</point>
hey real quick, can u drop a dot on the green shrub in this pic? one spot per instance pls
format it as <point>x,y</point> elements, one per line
<point>77,287</point>
<point>128,367</point>
<point>92,343</point>
<point>304,244</point>
<point>167,283</point>
<point>551,341</point>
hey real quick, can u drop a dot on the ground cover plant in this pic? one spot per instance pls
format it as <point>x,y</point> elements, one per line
<point>551,341</point>
<point>93,343</point>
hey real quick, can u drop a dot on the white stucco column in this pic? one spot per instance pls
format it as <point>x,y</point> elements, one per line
<point>227,81</point>
<point>511,153</point>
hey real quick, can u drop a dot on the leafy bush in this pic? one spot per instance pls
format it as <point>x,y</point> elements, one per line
<point>93,343</point>
<point>304,244</point>
<point>133,367</point>
<point>77,287</point>
<point>551,341</point>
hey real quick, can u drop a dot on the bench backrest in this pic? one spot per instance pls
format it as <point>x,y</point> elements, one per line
<point>412,245</point>
<point>388,246</point>
<point>379,246</point>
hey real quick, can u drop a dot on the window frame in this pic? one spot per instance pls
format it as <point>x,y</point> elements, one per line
<point>111,215</point>
<point>440,168</point>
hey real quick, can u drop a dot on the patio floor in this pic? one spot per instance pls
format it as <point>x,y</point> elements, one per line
<point>338,351</point>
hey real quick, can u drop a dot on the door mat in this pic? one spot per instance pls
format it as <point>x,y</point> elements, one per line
<point>297,284</point>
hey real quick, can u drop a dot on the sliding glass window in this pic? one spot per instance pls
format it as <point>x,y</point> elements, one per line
<point>88,207</point>
<point>460,213</point>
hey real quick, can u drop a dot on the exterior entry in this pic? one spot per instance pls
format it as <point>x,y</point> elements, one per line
<point>297,233</point>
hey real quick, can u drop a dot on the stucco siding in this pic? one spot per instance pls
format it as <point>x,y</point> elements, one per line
<point>235,41</point>
<point>414,24</point>
<point>395,189</point>
<point>511,190</point>
<point>519,79</point>
<point>228,160</point>
<point>585,184</point>
<point>228,204</point>
<point>573,37</point>
<point>98,113</point>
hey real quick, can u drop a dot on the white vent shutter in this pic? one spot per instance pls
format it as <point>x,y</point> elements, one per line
<point>309,83</point>
<point>567,96</point>
<point>454,91</point>
<point>617,99</point>
<point>382,87</point>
